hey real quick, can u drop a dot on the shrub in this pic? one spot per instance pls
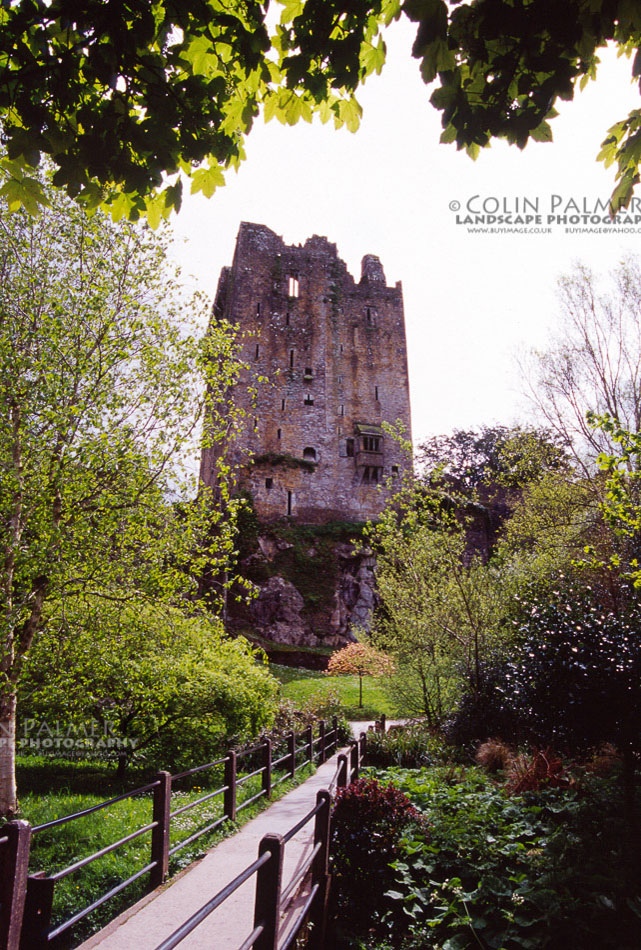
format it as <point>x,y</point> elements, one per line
<point>486,710</point>
<point>573,683</point>
<point>294,717</point>
<point>540,769</point>
<point>368,821</point>
<point>494,756</point>
<point>174,687</point>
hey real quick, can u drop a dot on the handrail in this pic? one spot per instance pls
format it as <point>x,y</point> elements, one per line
<point>248,801</point>
<point>89,811</point>
<point>59,875</point>
<point>250,751</point>
<point>98,903</point>
<point>300,874</point>
<point>249,775</point>
<point>293,933</point>
<point>185,929</point>
<point>196,835</point>
<point>198,801</point>
<point>200,768</point>
<point>301,824</point>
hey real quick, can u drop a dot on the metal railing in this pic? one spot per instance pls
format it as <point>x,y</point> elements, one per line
<point>271,900</point>
<point>26,900</point>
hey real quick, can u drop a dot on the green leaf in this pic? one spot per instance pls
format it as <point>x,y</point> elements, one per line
<point>542,133</point>
<point>207,180</point>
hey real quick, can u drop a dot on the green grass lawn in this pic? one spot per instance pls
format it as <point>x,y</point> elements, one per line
<point>299,685</point>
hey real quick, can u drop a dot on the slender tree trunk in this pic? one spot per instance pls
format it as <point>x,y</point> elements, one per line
<point>8,794</point>
<point>360,690</point>
<point>122,765</point>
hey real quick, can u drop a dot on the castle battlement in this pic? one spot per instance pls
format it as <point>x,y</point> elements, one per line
<point>335,357</point>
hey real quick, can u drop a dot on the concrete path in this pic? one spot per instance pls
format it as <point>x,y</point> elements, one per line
<point>153,919</point>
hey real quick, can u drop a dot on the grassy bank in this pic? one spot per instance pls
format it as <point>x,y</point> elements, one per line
<point>301,685</point>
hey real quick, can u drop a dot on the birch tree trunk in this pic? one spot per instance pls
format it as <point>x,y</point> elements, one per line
<point>8,799</point>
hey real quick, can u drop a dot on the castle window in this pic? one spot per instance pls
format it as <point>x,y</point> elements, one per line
<point>292,288</point>
<point>282,405</point>
<point>255,423</point>
<point>289,503</point>
<point>394,471</point>
<point>370,316</point>
<point>308,372</point>
<point>257,353</point>
<point>279,432</point>
<point>269,483</point>
<point>291,359</point>
<point>376,393</point>
<point>258,309</point>
<point>349,448</point>
<point>287,319</point>
<point>340,380</point>
<point>370,475</point>
<point>309,400</point>
<point>342,410</point>
<point>309,454</point>
<point>371,443</point>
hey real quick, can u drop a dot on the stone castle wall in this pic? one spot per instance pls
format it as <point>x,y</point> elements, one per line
<point>334,354</point>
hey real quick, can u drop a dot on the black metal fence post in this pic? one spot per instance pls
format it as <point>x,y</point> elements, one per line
<point>229,805</point>
<point>310,744</point>
<point>291,751</point>
<point>36,921</point>
<point>354,764</point>
<point>160,834</point>
<point>342,779</point>
<point>322,754</point>
<point>268,884</point>
<point>320,871</point>
<point>14,867</point>
<point>267,765</point>
<point>363,748</point>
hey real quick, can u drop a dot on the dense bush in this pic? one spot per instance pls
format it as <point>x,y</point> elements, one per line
<point>175,688</point>
<point>368,820</point>
<point>574,681</point>
<point>487,709</point>
<point>550,870</point>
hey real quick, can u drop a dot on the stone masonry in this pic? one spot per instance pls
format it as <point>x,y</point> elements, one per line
<point>334,355</point>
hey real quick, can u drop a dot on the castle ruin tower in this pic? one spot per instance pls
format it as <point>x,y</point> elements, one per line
<point>335,357</point>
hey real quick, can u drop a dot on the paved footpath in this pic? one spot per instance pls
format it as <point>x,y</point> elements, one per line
<point>148,923</point>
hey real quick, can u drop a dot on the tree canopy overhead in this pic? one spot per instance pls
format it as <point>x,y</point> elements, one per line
<point>123,97</point>
<point>502,65</point>
<point>120,96</point>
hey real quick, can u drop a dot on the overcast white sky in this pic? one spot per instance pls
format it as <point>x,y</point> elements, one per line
<point>471,300</point>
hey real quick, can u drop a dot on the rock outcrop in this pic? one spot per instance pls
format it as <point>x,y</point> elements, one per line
<point>313,590</point>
